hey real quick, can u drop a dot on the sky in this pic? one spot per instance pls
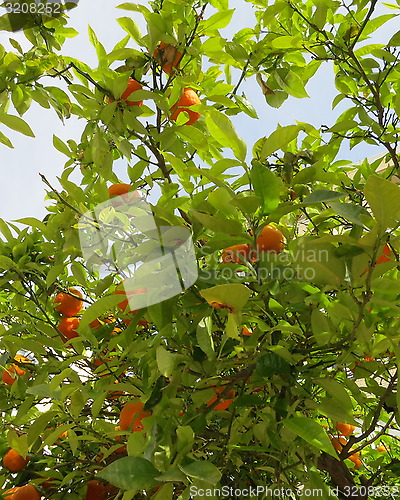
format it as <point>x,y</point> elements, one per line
<point>19,167</point>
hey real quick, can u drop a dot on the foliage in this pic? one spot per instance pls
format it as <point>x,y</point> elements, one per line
<point>324,315</point>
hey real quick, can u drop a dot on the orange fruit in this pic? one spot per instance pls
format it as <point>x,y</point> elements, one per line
<point>131,416</point>
<point>270,240</point>
<point>13,461</point>
<point>96,323</point>
<point>338,443</point>
<point>131,87</point>
<point>236,253</point>
<point>188,98</point>
<point>246,331</point>
<point>385,254</point>
<point>10,375</point>
<point>9,494</point>
<point>383,258</point>
<point>121,188</point>
<point>382,448</point>
<point>27,492</point>
<point>95,490</point>
<point>68,327</point>
<point>357,463</point>
<point>168,57</point>
<point>119,290</point>
<point>111,490</point>
<point>67,304</point>
<point>223,404</point>
<point>345,429</point>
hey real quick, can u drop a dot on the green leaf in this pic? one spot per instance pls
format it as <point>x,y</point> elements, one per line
<point>61,146</point>
<point>377,22</point>
<point>310,431</point>
<point>316,261</point>
<point>291,83</point>
<point>218,224</point>
<point>217,21</point>
<point>395,40</point>
<point>164,493</point>
<point>323,195</point>
<point>130,26</point>
<point>383,197</point>
<point>287,42</point>
<point>166,361</point>
<point>337,391</point>
<point>134,7</point>
<point>321,328</point>
<point>172,474</point>
<point>248,400</point>
<point>5,140</point>
<point>222,130</point>
<point>97,309</point>
<point>203,470</point>
<point>246,106</point>
<point>267,186</point>
<point>352,212</point>
<point>234,295</point>
<point>130,473</point>
<point>16,123</point>
<point>279,139</point>
<point>204,337</point>
<point>271,364</point>
<point>100,50</point>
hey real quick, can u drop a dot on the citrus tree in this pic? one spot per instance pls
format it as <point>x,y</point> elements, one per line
<point>273,372</point>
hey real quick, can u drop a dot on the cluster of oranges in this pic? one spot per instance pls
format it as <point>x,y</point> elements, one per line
<point>12,372</point>
<point>14,462</point>
<point>95,490</point>
<point>168,57</point>
<point>269,240</point>
<point>130,419</point>
<point>339,442</point>
<point>68,305</point>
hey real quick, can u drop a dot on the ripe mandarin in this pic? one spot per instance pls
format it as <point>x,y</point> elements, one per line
<point>9,376</point>
<point>188,98</point>
<point>132,86</point>
<point>9,494</point>
<point>168,57</point>
<point>245,331</point>
<point>27,492</point>
<point>13,461</point>
<point>68,303</point>
<point>95,490</point>
<point>382,448</point>
<point>237,254</point>
<point>121,188</point>
<point>68,327</point>
<point>131,416</point>
<point>270,240</point>
<point>345,429</point>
